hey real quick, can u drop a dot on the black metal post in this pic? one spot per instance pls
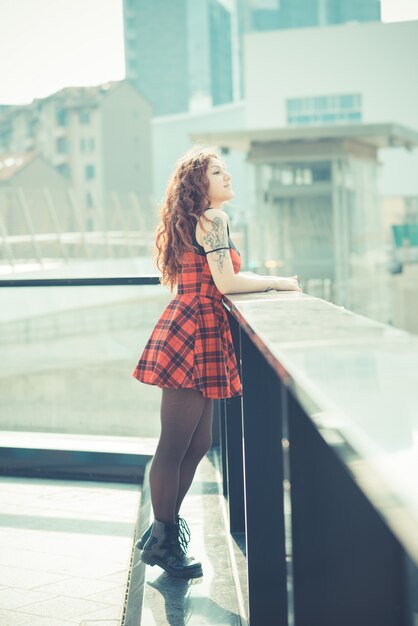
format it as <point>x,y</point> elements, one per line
<point>234,455</point>
<point>263,477</point>
<point>223,444</point>
<point>216,423</point>
<point>348,568</point>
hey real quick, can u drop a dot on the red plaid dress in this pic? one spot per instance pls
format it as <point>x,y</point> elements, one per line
<point>191,344</point>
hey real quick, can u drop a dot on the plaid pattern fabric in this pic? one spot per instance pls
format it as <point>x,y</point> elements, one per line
<point>191,344</point>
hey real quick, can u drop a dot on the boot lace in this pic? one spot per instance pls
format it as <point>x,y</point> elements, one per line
<point>183,533</point>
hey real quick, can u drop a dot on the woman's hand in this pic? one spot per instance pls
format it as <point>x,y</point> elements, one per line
<point>286,283</point>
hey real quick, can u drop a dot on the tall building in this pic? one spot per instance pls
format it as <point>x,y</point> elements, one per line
<point>282,14</point>
<point>181,54</point>
<point>221,69</point>
<point>187,55</point>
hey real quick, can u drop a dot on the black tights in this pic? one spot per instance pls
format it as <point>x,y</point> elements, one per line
<point>186,436</point>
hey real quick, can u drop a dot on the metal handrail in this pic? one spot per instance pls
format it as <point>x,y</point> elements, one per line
<point>152,279</point>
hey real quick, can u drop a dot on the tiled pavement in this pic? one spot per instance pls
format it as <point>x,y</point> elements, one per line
<point>65,548</point>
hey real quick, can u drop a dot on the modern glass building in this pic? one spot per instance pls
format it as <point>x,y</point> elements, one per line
<point>221,57</point>
<point>188,56</point>
<point>180,54</point>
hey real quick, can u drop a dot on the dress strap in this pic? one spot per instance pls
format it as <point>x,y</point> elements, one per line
<point>215,249</point>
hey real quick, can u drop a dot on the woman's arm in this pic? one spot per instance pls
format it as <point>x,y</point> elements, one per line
<point>215,243</point>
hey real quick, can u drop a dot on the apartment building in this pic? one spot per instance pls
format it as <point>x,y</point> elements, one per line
<point>98,138</point>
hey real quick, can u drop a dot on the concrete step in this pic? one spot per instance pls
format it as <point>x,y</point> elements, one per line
<point>62,455</point>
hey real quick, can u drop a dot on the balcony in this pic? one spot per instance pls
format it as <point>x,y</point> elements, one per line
<point>305,511</point>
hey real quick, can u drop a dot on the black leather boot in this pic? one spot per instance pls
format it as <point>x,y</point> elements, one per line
<point>183,530</point>
<point>164,548</point>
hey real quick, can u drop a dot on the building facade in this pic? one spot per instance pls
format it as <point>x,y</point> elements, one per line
<point>342,101</point>
<point>344,74</point>
<point>97,138</point>
<point>188,55</point>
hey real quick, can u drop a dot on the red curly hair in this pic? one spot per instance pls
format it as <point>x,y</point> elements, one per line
<point>185,201</point>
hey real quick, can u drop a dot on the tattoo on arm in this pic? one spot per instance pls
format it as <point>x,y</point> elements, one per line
<point>215,239</point>
<point>220,258</point>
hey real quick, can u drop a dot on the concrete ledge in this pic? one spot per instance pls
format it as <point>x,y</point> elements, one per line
<point>79,457</point>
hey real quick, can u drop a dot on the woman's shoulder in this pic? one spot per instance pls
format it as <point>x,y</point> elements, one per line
<point>211,214</point>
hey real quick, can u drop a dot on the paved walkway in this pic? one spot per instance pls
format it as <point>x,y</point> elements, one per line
<point>65,549</point>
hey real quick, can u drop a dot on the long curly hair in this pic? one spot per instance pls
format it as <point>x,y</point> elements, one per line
<point>185,201</point>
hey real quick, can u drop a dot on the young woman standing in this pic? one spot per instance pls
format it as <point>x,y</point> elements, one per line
<point>190,354</point>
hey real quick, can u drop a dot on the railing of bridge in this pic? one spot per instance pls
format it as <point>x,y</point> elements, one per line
<point>320,463</point>
<point>320,459</point>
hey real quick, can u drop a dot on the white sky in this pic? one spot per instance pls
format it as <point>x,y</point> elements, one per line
<point>49,44</point>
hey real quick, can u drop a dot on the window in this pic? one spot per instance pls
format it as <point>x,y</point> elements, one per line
<point>302,174</point>
<point>84,116</point>
<point>339,109</point>
<point>32,127</point>
<point>321,172</point>
<point>62,145</point>
<point>89,200</point>
<point>89,223</point>
<point>64,169</point>
<point>61,116</point>
<point>87,144</point>
<point>132,66</point>
<point>89,172</point>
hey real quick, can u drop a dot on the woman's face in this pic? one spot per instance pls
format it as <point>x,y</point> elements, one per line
<point>220,189</point>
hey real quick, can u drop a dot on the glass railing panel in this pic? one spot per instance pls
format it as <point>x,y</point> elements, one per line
<point>67,358</point>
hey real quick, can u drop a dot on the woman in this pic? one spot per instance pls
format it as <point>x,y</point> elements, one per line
<point>190,353</point>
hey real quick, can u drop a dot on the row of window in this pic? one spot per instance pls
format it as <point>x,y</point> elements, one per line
<point>297,174</point>
<point>342,108</point>
<point>62,117</point>
<point>87,144</point>
<point>326,118</point>
<point>324,103</point>
<point>89,171</point>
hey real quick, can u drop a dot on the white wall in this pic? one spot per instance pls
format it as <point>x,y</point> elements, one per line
<point>377,60</point>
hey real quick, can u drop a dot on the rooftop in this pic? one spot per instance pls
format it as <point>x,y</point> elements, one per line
<point>13,162</point>
<point>384,135</point>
